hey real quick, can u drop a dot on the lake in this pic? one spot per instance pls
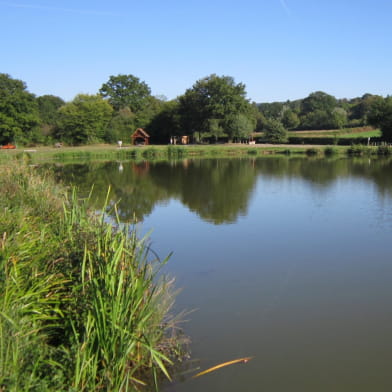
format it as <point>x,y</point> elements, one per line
<point>286,260</point>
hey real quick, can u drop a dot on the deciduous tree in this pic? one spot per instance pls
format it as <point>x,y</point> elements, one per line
<point>380,115</point>
<point>125,91</point>
<point>84,120</point>
<point>19,116</point>
<point>275,132</point>
<point>213,97</point>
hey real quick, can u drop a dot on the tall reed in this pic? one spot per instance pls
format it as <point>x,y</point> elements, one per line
<point>83,306</point>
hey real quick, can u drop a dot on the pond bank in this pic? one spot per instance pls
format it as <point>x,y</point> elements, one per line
<point>83,306</point>
<point>111,152</point>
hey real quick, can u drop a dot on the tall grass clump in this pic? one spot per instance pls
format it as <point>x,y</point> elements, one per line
<point>312,151</point>
<point>384,150</point>
<point>359,150</point>
<point>330,151</point>
<point>252,151</point>
<point>83,305</point>
<point>176,152</point>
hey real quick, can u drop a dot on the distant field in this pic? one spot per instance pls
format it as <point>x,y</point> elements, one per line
<point>340,133</point>
<point>374,133</point>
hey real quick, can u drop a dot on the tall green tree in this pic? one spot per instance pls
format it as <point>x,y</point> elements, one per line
<point>318,101</point>
<point>19,118</point>
<point>166,123</point>
<point>213,97</point>
<point>84,120</point>
<point>275,132</point>
<point>240,126</point>
<point>125,91</point>
<point>380,115</point>
<point>48,106</point>
<point>290,119</point>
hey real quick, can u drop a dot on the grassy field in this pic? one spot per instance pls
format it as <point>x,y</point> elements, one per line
<point>339,133</point>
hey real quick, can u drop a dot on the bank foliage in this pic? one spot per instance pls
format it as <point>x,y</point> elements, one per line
<point>214,109</point>
<point>82,305</point>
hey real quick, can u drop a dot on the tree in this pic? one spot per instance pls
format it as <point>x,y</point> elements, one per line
<point>380,115</point>
<point>213,97</point>
<point>273,110</point>
<point>166,123</point>
<point>240,126</point>
<point>125,91</point>
<point>318,101</point>
<point>84,120</point>
<point>214,128</point>
<point>19,117</point>
<point>121,126</point>
<point>48,106</point>
<point>275,132</point>
<point>290,119</point>
<point>361,108</point>
<point>339,118</point>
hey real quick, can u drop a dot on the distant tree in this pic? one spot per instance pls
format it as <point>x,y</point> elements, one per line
<point>125,91</point>
<point>339,118</point>
<point>380,115</point>
<point>273,110</point>
<point>290,119</point>
<point>240,126</point>
<point>84,120</point>
<point>166,123</point>
<point>275,132</point>
<point>121,126</point>
<point>19,116</point>
<point>318,101</point>
<point>214,128</point>
<point>361,107</point>
<point>152,106</point>
<point>48,106</point>
<point>213,97</point>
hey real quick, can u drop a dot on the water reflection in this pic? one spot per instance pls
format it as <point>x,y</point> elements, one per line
<point>302,281</point>
<point>217,190</point>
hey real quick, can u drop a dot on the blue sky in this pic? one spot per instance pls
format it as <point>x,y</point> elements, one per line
<point>280,49</point>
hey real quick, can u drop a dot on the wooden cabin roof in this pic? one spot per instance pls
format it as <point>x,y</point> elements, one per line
<point>140,132</point>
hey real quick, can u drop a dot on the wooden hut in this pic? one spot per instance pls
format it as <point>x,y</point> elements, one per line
<point>140,136</point>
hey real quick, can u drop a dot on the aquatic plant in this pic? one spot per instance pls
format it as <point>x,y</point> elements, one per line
<point>84,306</point>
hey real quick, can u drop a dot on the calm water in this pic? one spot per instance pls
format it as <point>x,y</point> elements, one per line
<point>285,260</point>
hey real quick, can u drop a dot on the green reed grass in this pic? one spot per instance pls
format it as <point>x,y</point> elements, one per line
<point>83,306</point>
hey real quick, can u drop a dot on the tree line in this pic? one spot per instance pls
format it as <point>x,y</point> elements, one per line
<point>214,108</point>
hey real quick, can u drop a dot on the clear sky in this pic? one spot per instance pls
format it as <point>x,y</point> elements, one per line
<point>280,49</point>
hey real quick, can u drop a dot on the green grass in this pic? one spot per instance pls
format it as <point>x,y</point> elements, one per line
<point>339,133</point>
<point>83,305</point>
<point>107,152</point>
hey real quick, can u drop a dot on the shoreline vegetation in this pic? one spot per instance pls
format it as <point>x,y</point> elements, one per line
<point>157,152</point>
<point>83,306</point>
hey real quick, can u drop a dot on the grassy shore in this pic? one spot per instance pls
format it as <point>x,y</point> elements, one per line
<point>111,152</point>
<point>82,305</point>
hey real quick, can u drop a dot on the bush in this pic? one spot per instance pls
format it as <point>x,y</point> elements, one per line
<point>384,150</point>
<point>312,151</point>
<point>359,150</point>
<point>329,151</point>
<point>275,132</point>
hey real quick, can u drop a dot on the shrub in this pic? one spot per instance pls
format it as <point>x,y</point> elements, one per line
<point>384,150</point>
<point>329,151</point>
<point>312,151</point>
